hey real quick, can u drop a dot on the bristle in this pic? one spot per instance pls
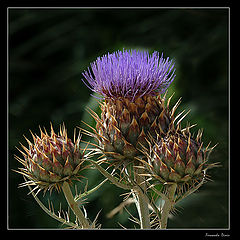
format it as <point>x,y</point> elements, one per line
<point>25,149</point>
<point>24,155</point>
<point>34,138</point>
<point>22,161</point>
<point>199,135</point>
<point>175,107</point>
<point>169,99</point>
<point>45,131</point>
<point>52,131</point>
<point>41,132</point>
<point>179,114</point>
<point>94,115</point>
<point>28,141</point>
<point>64,130</point>
<point>183,116</point>
<point>74,135</point>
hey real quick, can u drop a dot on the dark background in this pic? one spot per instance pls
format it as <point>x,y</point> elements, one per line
<point>49,49</point>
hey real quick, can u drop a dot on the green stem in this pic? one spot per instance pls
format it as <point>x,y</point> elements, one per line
<point>168,205</point>
<point>142,203</point>
<point>74,206</point>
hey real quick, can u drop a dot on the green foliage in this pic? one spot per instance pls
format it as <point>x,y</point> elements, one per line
<point>48,50</point>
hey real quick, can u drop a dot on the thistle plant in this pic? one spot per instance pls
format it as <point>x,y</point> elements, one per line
<point>142,145</point>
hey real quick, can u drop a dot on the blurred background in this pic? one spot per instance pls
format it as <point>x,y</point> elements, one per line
<point>48,51</point>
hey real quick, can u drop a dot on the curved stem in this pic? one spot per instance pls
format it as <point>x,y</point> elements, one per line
<point>168,205</point>
<point>74,206</point>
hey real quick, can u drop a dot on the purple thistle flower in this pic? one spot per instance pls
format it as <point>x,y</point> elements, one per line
<point>130,73</point>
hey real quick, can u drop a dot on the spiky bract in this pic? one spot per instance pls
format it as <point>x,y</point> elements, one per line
<point>51,159</point>
<point>124,126</point>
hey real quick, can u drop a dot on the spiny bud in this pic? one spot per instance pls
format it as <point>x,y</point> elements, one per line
<point>51,159</point>
<point>178,158</point>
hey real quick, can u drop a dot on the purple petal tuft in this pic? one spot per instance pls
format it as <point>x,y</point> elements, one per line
<point>130,73</point>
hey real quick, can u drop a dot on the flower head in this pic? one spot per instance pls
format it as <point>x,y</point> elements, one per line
<point>130,74</point>
<point>178,158</point>
<point>51,159</point>
<point>131,82</point>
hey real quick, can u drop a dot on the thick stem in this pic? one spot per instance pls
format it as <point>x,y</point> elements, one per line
<point>142,203</point>
<point>168,205</point>
<point>74,206</point>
